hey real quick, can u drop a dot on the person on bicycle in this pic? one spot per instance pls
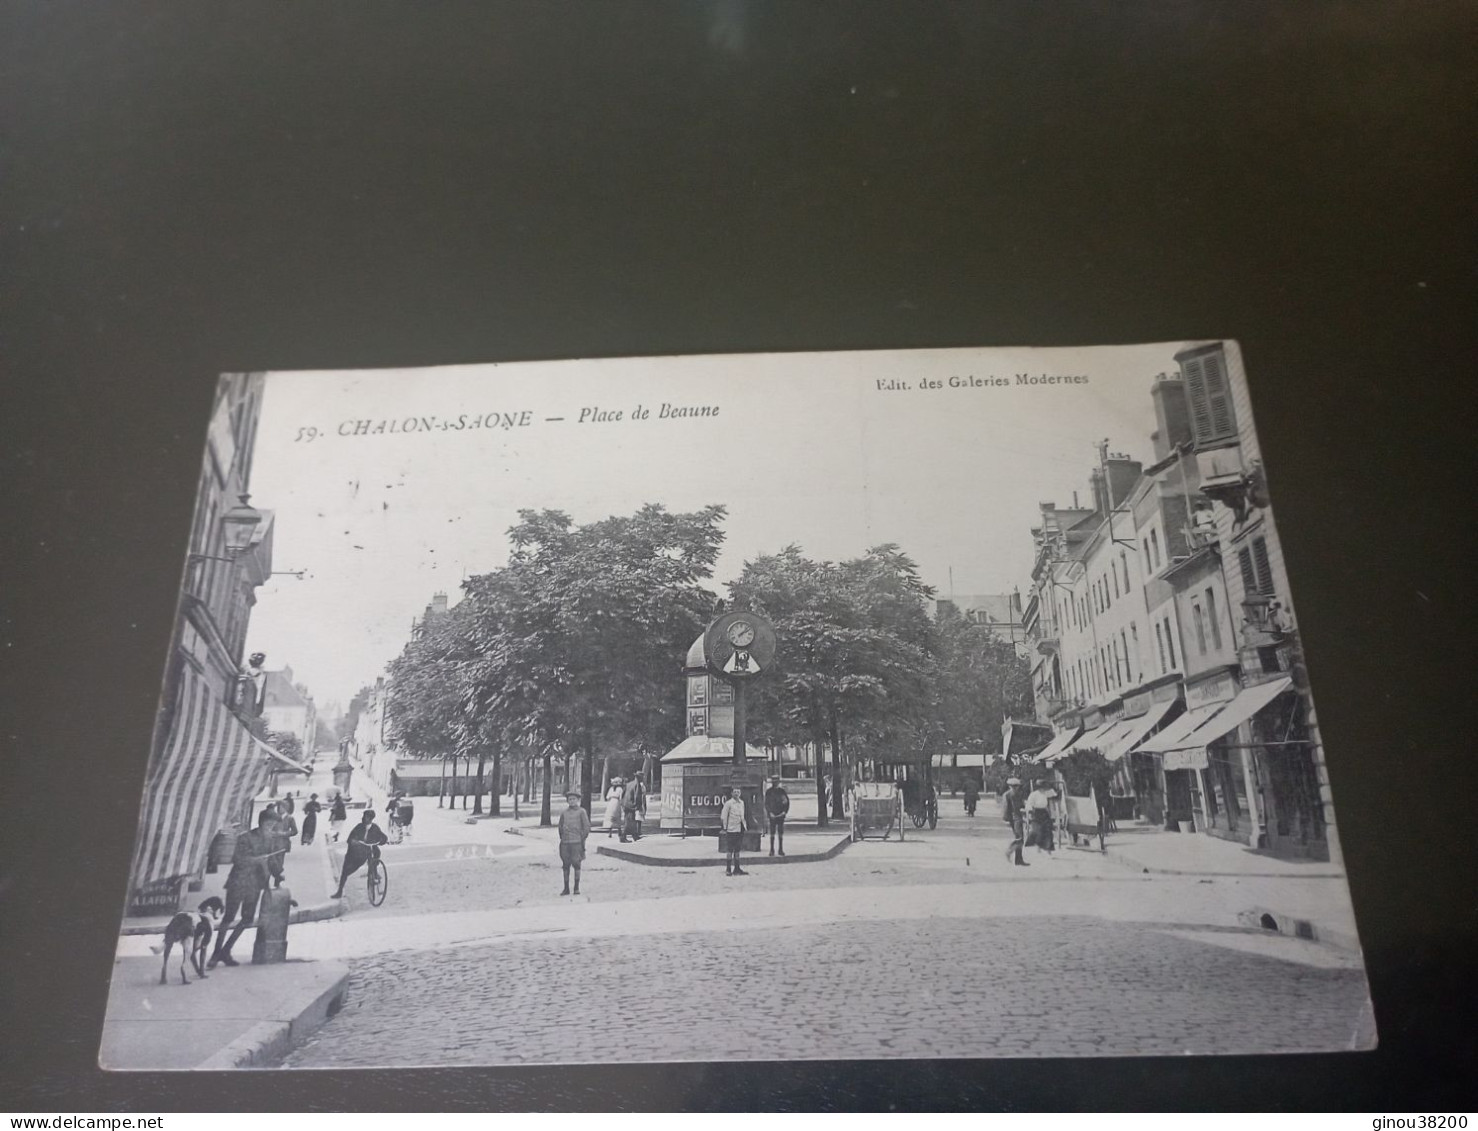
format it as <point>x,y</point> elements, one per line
<point>363,839</point>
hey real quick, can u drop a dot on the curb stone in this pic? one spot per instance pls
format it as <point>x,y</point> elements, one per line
<point>269,1041</point>
<point>716,859</point>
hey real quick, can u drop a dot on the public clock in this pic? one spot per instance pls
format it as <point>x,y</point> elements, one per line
<point>741,634</point>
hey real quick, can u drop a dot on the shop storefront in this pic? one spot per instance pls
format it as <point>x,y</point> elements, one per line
<point>1139,781</point>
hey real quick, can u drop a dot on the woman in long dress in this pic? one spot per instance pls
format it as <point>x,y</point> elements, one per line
<point>336,817</point>
<point>310,818</point>
<point>613,806</point>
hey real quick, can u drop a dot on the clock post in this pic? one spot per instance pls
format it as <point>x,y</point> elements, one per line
<point>739,647</point>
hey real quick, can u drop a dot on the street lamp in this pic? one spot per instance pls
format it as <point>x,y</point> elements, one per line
<point>237,525</point>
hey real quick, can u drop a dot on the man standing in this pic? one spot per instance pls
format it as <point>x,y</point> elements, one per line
<point>574,827</point>
<point>253,864</point>
<point>777,805</point>
<point>1039,805</point>
<point>1012,812</point>
<point>731,822</point>
<point>363,837</point>
<point>633,805</point>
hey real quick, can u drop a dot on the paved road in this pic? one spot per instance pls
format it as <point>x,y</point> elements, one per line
<point>941,987</point>
<point>1012,968</point>
<point>519,872</point>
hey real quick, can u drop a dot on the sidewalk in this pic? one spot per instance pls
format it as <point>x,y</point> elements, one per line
<point>307,873</point>
<point>235,1018</point>
<point>1306,898</point>
<point>668,851</point>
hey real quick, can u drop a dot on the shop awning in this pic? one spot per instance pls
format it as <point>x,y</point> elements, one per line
<point>1056,746</point>
<point>965,760</point>
<point>209,771</point>
<point>1087,741</point>
<point>1174,737</point>
<point>1248,702</point>
<point>1135,729</point>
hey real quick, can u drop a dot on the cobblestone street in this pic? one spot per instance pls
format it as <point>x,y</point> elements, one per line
<point>939,948</point>
<point>944,987</point>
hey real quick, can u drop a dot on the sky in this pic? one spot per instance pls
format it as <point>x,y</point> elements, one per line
<point>814,449</point>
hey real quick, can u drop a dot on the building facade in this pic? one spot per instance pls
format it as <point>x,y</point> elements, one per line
<point>207,763</point>
<point>1164,633</point>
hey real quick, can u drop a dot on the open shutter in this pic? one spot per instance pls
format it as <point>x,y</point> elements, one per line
<point>1219,396</point>
<point>1209,393</point>
<point>1264,568</point>
<point>1249,578</point>
<point>1195,384</point>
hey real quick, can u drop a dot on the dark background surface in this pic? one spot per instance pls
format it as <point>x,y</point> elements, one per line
<point>196,188</point>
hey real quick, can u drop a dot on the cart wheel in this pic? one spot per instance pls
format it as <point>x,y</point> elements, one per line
<point>933,816</point>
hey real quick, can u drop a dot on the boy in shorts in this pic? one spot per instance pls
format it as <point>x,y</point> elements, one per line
<point>574,827</point>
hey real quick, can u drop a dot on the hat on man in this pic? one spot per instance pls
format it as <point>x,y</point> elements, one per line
<point>571,794</point>
<point>1013,781</point>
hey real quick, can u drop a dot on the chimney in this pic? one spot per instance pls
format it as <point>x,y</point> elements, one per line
<point>1172,415</point>
<point>1096,487</point>
<point>1123,473</point>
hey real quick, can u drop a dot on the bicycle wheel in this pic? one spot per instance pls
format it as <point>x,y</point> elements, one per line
<point>933,816</point>
<point>378,881</point>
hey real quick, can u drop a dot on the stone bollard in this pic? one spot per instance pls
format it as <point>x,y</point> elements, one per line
<point>272,918</point>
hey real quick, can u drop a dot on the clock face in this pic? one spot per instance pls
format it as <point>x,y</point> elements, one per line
<point>741,634</point>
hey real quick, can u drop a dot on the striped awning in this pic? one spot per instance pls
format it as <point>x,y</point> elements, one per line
<point>210,769</point>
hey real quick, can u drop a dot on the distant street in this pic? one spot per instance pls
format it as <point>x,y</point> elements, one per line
<point>1003,960</point>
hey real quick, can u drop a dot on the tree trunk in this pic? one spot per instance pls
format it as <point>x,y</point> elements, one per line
<point>482,757</point>
<point>517,782</point>
<point>836,768</point>
<point>494,802</point>
<point>587,767</point>
<point>545,819</point>
<point>441,795</point>
<point>818,740</point>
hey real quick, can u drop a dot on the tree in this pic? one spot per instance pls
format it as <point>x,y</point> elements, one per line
<point>578,639</point>
<point>286,744</point>
<point>852,655</point>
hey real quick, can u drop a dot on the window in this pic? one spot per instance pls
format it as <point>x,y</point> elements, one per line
<point>1155,545</point>
<point>1124,564</point>
<point>1209,394</point>
<point>1211,616</point>
<point>1169,642</point>
<point>1128,666</point>
<point>1160,643</point>
<point>1148,567</point>
<point>1113,569</point>
<point>1257,571</point>
<point>1134,635</point>
<point>1200,627</point>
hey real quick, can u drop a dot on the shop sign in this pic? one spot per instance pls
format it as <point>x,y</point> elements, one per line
<point>1217,689</point>
<point>1192,759</point>
<point>160,897</point>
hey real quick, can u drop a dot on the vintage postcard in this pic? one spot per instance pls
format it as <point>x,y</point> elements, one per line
<point>926,703</point>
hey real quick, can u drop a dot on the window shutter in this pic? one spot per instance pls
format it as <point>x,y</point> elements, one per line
<point>1210,395</point>
<point>1219,397</point>
<point>1195,386</point>
<point>1264,568</point>
<point>1249,579</point>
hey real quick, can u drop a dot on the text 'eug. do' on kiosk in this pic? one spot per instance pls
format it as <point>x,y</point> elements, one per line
<point>699,773</point>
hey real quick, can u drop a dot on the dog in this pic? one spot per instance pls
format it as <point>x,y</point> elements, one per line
<point>193,934</point>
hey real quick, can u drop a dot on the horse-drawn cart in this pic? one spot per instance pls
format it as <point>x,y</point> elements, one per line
<point>877,809</point>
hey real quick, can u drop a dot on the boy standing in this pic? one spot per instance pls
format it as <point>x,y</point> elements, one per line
<point>731,819</point>
<point>574,827</point>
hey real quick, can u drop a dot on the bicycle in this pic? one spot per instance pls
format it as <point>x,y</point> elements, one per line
<point>376,877</point>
